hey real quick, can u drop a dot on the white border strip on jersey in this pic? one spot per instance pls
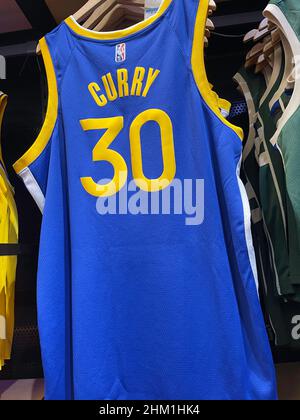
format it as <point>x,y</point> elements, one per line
<point>33,187</point>
<point>274,14</point>
<point>247,225</point>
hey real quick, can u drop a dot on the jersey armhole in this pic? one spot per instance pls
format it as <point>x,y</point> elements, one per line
<point>51,114</point>
<point>198,67</point>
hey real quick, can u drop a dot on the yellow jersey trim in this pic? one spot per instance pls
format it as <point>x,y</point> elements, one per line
<point>51,115</point>
<point>109,35</point>
<point>198,67</point>
<point>3,103</point>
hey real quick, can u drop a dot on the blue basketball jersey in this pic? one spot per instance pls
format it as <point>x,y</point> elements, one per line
<point>147,279</point>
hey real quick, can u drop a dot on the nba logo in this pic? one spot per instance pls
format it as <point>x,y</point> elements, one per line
<point>120,53</point>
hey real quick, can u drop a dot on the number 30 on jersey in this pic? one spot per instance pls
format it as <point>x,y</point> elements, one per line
<point>102,152</point>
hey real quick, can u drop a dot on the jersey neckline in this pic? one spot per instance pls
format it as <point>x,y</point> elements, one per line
<point>122,33</point>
